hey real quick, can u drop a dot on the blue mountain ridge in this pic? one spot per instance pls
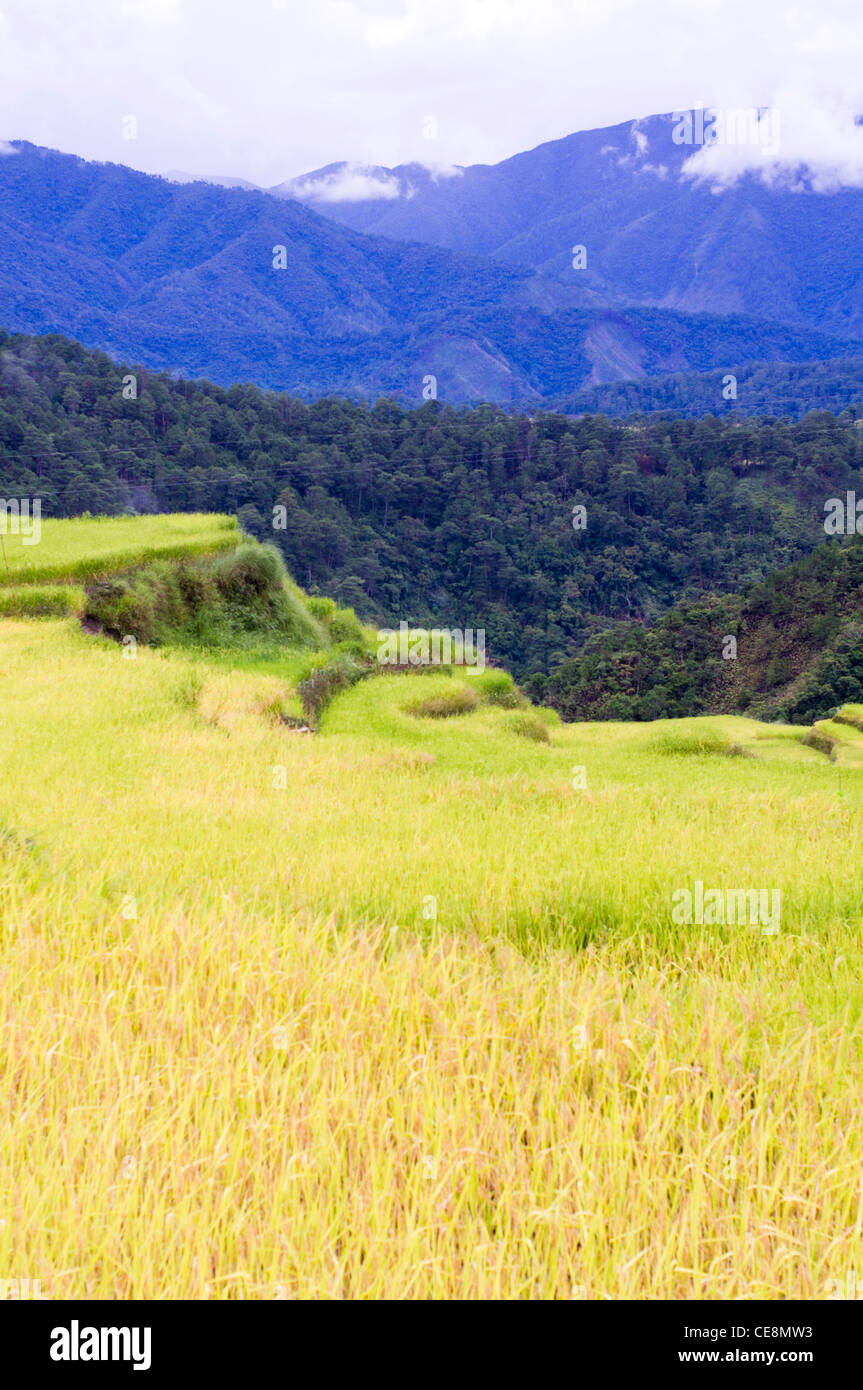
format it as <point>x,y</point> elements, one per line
<point>181,276</point>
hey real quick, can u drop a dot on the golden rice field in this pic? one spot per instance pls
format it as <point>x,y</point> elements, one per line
<point>400,1010</point>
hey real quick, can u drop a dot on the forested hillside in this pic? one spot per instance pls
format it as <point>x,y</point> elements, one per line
<point>789,648</point>
<point>461,517</point>
<point>761,388</point>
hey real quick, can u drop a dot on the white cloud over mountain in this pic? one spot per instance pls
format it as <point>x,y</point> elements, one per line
<point>349,184</point>
<point>267,90</point>
<point>799,144</point>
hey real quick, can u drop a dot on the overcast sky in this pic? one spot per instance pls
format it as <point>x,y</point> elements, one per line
<point>268,89</point>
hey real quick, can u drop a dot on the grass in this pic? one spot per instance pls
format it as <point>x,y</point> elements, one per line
<point>529,725</point>
<point>498,688</point>
<point>698,738</point>
<point>851,715</point>
<point>817,737</point>
<point>395,1010</point>
<point>91,547</point>
<point>399,1009</point>
<point>41,600</point>
<point>459,699</point>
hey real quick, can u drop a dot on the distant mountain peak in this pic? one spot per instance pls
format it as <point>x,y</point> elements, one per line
<point>218,180</point>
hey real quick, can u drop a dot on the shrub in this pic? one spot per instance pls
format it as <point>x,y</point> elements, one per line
<point>122,608</point>
<point>162,581</point>
<point>697,742</point>
<point>547,714</point>
<point>250,572</point>
<point>528,724</point>
<point>294,624</point>
<point>459,701</point>
<point>325,680</point>
<point>499,688</point>
<point>358,650</point>
<point>208,601</point>
<point>340,624</point>
<point>821,742</point>
<point>321,607</point>
<point>197,585</point>
<point>345,626</point>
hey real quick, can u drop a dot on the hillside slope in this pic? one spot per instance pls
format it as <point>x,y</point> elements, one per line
<point>788,648</point>
<point>434,515</point>
<point>776,388</point>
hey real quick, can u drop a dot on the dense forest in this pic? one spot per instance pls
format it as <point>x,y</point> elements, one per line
<point>542,529</point>
<point>761,388</point>
<point>789,648</point>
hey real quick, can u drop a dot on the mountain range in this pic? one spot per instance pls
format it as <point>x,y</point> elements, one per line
<point>654,234</point>
<point>456,282</point>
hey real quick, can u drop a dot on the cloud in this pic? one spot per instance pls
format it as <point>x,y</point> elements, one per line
<point>350,184</point>
<point>6,148</point>
<point>444,171</point>
<point>799,143</point>
<point>271,90</point>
